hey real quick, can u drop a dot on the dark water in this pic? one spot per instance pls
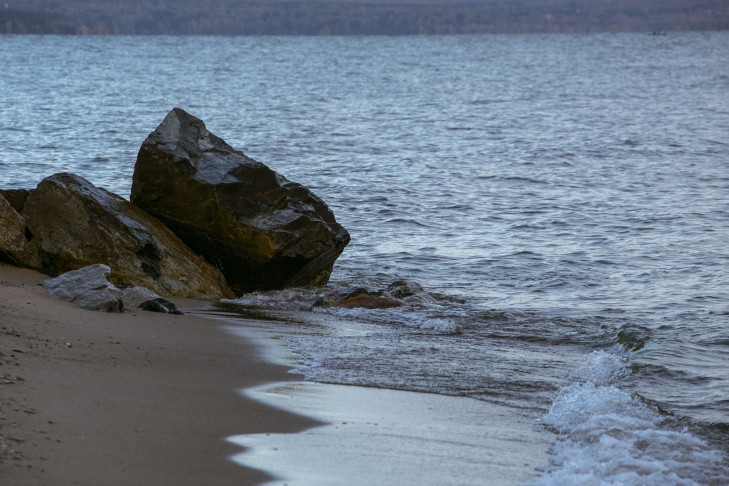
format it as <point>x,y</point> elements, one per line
<point>564,198</point>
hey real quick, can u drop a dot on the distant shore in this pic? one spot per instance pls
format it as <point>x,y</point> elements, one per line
<point>358,17</point>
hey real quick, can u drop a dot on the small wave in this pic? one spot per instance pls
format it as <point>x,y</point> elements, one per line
<point>406,221</point>
<point>460,128</point>
<point>421,319</point>
<point>524,179</point>
<point>15,129</point>
<point>526,226</point>
<point>607,436</point>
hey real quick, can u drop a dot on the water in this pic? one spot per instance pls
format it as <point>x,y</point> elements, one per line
<point>564,198</point>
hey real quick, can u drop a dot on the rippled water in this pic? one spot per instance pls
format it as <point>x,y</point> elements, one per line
<point>564,198</point>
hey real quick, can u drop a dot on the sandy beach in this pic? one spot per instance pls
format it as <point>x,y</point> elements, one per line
<point>133,398</point>
<point>143,398</point>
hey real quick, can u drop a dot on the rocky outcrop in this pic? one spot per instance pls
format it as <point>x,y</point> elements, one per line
<point>74,224</point>
<point>15,245</point>
<point>261,230</point>
<point>89,287</point>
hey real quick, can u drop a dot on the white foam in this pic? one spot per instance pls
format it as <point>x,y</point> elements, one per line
<point>609,437</point>
<point>295,298</point>
<point>379,436</point>
<point>424,318</point>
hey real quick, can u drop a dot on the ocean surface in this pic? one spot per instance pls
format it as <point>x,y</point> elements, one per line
<point>564,199</point>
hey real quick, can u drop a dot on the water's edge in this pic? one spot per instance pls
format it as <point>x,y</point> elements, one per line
<point>381,436</point>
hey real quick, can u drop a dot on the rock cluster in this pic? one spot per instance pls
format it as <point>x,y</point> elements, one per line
<point>90,288</point>
<point>203,219</point>
<point>75,224</point>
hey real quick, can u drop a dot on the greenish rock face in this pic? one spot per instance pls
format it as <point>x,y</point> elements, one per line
<point>75,224</point>
<point>261,230</point>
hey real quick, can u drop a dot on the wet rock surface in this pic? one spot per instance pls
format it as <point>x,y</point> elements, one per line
<point>74,224</point>
<point>15,246</point>
<point>396,294</point>
<point>261,230</point>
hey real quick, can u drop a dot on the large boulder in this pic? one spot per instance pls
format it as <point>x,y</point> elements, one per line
<point>262,231</point>
<point>75,224</point>
<point>15,239</point>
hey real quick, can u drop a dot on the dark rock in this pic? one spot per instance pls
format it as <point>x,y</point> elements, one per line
<point>160,305</point>
<point>133,296</point>
<point>351,292</point>
<point>262,231</point>
<point>89,287</point>
<point>396,294</point>
<point>408,291</point>
<point>358,297</point>
<point>75,224</point>
<point>141,297</point>
<point>16,197</point>
<point>367,301</point>
<point>15,238</point>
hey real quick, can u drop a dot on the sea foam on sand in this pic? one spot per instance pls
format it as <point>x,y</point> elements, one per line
<point>378,436</point>
<point>383,436</point>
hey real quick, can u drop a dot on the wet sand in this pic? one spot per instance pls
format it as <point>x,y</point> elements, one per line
<point>376,436</point>
<point>141,398</point>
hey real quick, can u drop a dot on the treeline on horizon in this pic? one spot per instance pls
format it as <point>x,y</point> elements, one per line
<point>363,17</point>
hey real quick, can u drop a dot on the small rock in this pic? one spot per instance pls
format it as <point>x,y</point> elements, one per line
<point>408,291</point>
<point>160,305</point>
<point>358,297</point>
<point>396,294</point>
<point>87,286</point>
<point>134,296</point>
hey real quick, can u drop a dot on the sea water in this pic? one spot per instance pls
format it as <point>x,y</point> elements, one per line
<point>563,198</point>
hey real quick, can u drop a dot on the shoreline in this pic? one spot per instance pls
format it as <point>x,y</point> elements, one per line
<point>148,398</point>
<point>384,436</point>
<point>133,398</point>
<point>370,435</point>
